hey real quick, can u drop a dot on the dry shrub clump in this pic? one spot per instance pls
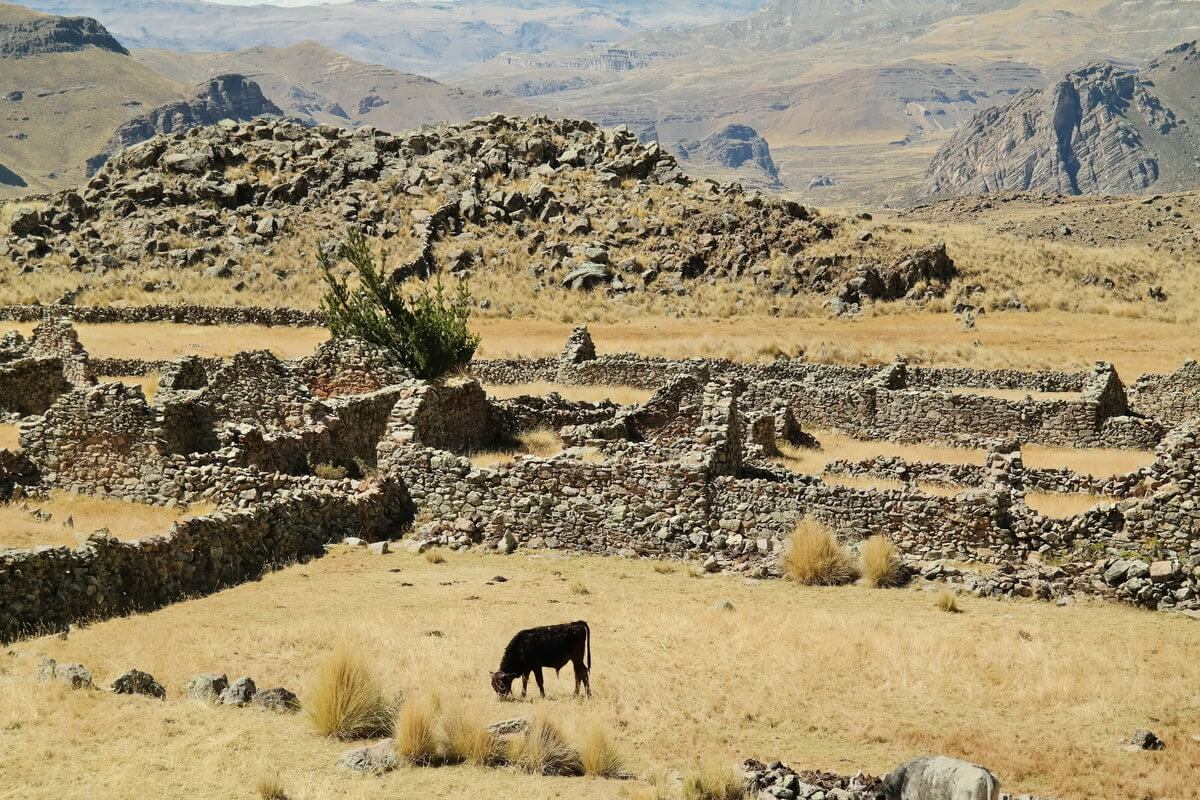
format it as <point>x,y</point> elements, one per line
<point>435,556</point>
<point>599,756</point>
<point>416,731</point>
<point>541,442</point>
<point>947,602</point>
<point>880,563</point>
<point>466,739</point>
<point>814,557</point>
<point>578,587</point>
<point>713,783</point>
<point>346,701</point>
<point>544,750</point>
<point>271,788</point>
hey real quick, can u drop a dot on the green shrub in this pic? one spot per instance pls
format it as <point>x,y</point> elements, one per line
<point>428,332</point>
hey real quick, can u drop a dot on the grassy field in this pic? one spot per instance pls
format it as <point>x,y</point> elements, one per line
<point>840,679</point>
<point>838,446</point>
<point>19,528</point>
<point>1050,339</point>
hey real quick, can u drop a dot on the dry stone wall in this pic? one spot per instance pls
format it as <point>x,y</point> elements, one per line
<point>50,588</point>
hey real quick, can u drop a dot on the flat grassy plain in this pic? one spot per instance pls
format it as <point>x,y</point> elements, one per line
<point>840,679</point>
<point>1047,339</point>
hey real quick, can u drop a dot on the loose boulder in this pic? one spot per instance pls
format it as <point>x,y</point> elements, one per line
<point>137,682</point>
<point>940,778</point>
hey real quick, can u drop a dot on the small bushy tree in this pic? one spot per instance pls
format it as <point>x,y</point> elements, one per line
<point>428,331</point>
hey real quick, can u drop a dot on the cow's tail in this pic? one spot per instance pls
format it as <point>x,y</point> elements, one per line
<point>588,639</point>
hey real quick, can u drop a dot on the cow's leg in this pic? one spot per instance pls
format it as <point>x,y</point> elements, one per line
<point>587,683</point>
<point>537,676</point>
<point>524,685</point>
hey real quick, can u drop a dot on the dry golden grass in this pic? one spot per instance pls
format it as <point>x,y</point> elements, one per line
<point>466,739</point>
<point>435,556</point>
<point>879,563</point>
<point>713,783</point>
<point>346,701</point>
<point>815,557</point>
<point>946,602</point>
<point>624,395</point>
<point>270,787</point>
<point>541,442</point>
<point>1060,506</point>
<point>1099,463</point>
<point>840,447</point>
<point>599,755</point>
<point>125,521</point>
<point>9,439</point>
<point>1071,682</point>
<point>416,731</point>
<point>164,341</point>
<point>1048,339</point>
<point>544,750</point>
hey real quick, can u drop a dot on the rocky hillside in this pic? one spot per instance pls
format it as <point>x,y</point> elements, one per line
<point>31,35</point>
<point>734,147</point>
<point>315,84</point>
<point>231,97</point>
<point>1099,130</point>
<point>528,210</point>
<point>65,86</point>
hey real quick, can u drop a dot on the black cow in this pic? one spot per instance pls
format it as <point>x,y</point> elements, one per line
<point>549,646</point>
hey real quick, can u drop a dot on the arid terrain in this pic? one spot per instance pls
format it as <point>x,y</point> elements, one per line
<point>323,382</point>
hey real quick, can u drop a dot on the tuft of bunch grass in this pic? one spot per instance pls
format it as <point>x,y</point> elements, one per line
<point>271,788</point>
<point>346,701</point>
<point>599,756</point>
<point>947,602</point>
<point>713,783</point>
<point>579,588</point>
<point>435,556</point>
<point>466,739</point>
<point>814,557</point>
<point>879,563</point>
<point>416,732</point>
<point>543,750</point>
<point>542,442</point>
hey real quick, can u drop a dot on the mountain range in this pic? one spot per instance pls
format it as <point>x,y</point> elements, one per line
<point>850,101</point>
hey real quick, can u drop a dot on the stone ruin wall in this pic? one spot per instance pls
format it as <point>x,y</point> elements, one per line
<point>1170,398</point>
<point>49,588</point>
<point>678,481</point>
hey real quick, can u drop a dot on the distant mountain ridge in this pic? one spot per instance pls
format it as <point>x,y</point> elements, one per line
<point>1099,130</point>
<point>43,35</point>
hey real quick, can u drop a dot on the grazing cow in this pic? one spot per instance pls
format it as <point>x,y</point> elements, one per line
<point>940,778</point>
<point>550,646</point>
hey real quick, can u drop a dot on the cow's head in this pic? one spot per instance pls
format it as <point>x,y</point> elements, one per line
<point>502,682</point>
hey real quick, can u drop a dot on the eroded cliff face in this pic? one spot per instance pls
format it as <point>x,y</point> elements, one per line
<point>1100,130</point>
<point>42,35</point>
<point>231,97</point>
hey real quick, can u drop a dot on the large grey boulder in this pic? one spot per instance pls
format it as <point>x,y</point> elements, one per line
<point>376,758</point>
<point>239,693</point>
<point>207,687</point>
<point>940,778</point>
<point>276,699</point>
<point>76,676</point>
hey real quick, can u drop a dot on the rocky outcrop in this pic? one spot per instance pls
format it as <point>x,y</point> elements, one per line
<point>39,36</point>
<point>231,97</point>
<point>732,147</point>
<point>1100,130</point>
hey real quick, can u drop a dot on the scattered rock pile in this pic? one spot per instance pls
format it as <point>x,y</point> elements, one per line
<point>558,204</point>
